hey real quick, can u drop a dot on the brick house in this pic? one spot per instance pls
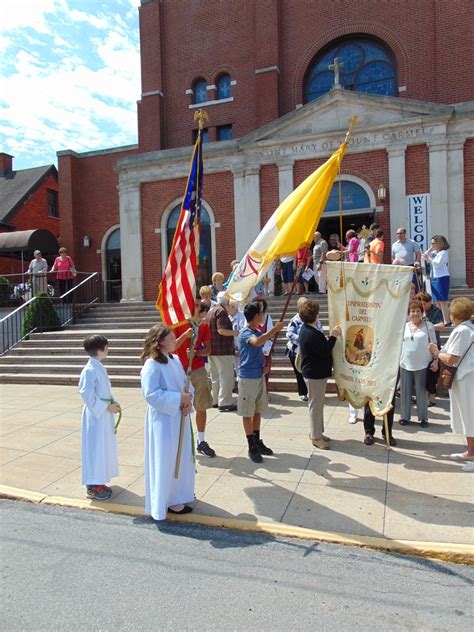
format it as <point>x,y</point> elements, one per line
<point>28,200</point>
<point>261,70</point>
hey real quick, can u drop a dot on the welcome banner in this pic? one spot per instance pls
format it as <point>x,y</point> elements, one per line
<point>371,309</point>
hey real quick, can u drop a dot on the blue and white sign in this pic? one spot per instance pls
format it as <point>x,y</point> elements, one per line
<point>419,219</point>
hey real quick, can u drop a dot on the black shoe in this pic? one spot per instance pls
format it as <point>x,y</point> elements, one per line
<point>262,448</point>
<point>431,404</point>
<point>369,439</point>
<point>185,510</point>
<point>204,448</point>
<point>228,409</point>
<point>391,440</point>
<point>424,423</point>
<point>215,406</point>
<point>254,454</point>
<point>403,422</point>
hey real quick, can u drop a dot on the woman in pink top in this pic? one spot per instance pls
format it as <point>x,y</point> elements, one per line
<point>353,246</point>
<point>303,258</point>
<point>64,267</point>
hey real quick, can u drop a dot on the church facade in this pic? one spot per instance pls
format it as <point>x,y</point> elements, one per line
<point>279,81</point>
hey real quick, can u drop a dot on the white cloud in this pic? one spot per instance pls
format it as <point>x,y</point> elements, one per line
<point>70,89</point>
<point>21,14</point>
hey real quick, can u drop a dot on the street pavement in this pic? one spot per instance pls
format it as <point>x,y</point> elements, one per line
<point>73,570</point>
<point>412,492</point>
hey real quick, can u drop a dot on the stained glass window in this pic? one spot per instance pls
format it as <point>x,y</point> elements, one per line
<point>199,91</point>
<point>224,88</point>
<point>366,66</point>
<point>354,197</point>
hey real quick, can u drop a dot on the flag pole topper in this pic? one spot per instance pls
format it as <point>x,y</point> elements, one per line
<point>200,116</point>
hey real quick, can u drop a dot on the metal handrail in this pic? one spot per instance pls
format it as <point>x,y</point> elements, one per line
<point>76,287</point>
<point>18,309</point>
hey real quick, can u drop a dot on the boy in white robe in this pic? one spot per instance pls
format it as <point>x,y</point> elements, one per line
<point>163,380</point>
<point>99,445</point>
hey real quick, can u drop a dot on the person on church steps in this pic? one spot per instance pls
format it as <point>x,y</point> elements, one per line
<point>199,378</point>
<point>293,345</point>
<point>373,228</point>
<point>316,367</point>
<point>377,247</point>
<point>217,284</point>
<point>352,246</point>
<point>66,271</point>
<point>99,444</point>
<point>437,254</point>
<point>162,381</point>
<point>320,250</point>
<point>252,398</point>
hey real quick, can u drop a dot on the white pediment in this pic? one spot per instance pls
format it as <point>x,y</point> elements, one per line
<point>331,113</point>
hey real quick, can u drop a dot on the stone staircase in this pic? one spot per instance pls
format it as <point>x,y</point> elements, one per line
<point>58,357</point>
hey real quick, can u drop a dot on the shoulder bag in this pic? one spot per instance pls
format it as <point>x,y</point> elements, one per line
<point>447,372</point>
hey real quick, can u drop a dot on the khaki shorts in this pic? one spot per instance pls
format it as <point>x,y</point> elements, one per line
<point>252,397</point>
<point>202,389</point>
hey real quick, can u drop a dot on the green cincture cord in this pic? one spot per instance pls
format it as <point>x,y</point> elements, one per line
<point>111,400</point>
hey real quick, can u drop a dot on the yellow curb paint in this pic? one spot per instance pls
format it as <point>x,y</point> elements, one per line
<point>455,553</point>
<point>24,494</point>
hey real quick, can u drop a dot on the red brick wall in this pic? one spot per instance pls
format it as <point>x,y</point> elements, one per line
<point>429,40</point>
<point>156,197</point>
<point>33,214</point>
<point>88,191</point>
<point>372,167</point>
<point>269,192</point>
<point>469,209</point>
<point>417,169</point>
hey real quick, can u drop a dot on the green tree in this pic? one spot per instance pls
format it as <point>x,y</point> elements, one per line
<point>41,315</point>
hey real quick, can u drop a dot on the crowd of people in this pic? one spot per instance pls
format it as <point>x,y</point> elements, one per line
<point>230,362</point>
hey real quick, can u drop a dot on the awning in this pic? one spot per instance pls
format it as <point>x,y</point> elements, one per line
<point>27,240</point>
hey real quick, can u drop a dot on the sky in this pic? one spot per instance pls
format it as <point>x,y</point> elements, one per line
<point>69,77</point>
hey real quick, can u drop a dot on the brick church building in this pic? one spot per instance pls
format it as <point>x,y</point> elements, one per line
<point>261,70</point>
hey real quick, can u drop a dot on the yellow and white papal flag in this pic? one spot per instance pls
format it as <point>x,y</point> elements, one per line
<point>371,308</point>
<point>290,228</point>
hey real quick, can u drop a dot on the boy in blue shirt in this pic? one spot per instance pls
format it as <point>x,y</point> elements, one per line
<point>252,399</point>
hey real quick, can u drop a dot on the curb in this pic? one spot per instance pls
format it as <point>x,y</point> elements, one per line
<point>446,552</point>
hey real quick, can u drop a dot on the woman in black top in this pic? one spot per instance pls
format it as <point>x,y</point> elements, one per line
<point>316,367</point>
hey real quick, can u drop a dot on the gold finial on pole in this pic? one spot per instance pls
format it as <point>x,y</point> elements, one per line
<point>201,116</point>
<point>353,121</point>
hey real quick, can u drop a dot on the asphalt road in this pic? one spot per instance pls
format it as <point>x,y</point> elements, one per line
<point>65,569</point>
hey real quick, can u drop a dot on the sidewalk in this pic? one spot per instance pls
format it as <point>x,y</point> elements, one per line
<point>412,492</point>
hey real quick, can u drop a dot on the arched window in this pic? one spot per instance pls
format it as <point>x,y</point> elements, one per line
<point>366,66</point>
<point>354,198</point>
<point>205,242</point>
<point>199,91</point>
<point>223,87</point>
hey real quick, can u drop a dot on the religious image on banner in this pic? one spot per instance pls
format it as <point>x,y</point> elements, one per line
<point>370,305</point>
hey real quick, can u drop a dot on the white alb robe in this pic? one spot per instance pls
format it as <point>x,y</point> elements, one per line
<point>162,385</point>
<point>99,444</point>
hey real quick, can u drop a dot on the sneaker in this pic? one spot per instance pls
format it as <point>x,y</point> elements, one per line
<point>109,489</point>
<point>98,492</point>
<point>254,454</point>
<point>304,398</point>
<point>320,443</point>
<point>369,439</point>
<point>204,448</point>
<point>424,423</point>
<point>352,419</point>
<point>263,449</point>
<point>461,456</point>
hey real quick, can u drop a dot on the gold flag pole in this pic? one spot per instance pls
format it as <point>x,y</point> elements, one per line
<point>200,116</point>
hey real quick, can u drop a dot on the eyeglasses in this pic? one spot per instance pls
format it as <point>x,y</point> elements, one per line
<point>401,233</point>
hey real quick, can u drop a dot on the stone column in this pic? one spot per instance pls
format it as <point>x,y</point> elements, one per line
<point>397,190</point>
<point>131,242</point>
<point>246,208</point>
<point>457,228</point>
<point>438,160</point>
<point>285,180</point>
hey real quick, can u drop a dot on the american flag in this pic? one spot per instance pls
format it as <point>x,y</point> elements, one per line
<point>177,295</point>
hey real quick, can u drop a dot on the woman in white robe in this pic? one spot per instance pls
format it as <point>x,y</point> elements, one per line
<point>99,443</point>
<point>163,380</point>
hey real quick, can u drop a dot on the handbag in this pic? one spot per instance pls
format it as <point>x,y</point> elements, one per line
<point>447,372</point>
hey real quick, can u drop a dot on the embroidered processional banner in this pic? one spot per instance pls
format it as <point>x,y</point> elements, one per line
<point>371,308</point>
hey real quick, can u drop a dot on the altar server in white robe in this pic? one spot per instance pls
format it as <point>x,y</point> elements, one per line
<point>99,445</point>
<point>163,380</point>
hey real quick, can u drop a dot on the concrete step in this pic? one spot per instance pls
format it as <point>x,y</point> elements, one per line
<point>67,369</point>
<point>72,350</point>
<point>75,360</point>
